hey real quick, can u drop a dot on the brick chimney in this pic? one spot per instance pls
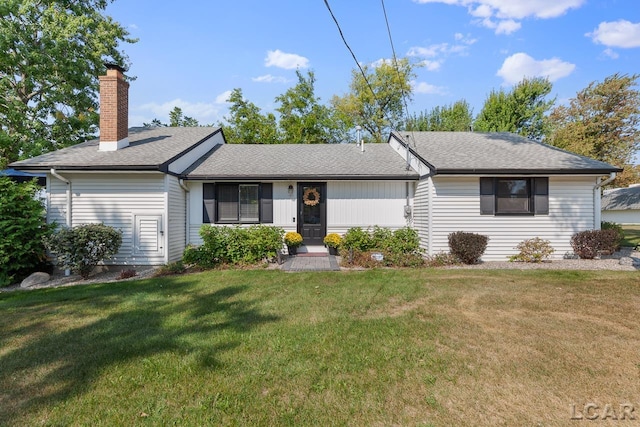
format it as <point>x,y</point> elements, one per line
<point>114,109</point>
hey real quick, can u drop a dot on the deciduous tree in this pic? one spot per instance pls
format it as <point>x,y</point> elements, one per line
<point>376,103</point>
<point>455,117</point>
<point>602,121</point>
<point>177,119</point>
<point>523,110</point>
<point>246,124</point>
<point>302,118</point>
<point>52,55</point>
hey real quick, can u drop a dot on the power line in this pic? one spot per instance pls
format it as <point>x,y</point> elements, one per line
<point>395,60</point>
<point>344,40</point>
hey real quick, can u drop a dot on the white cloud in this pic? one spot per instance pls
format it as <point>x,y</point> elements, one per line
<point>502,15</point>
<point>610,53</point>
<point>507,27</point>
<point>622,33</point>
<point>268,78</point>
<point>288,61</point>
<point>223,98</point>
<point>435,54</point>
<point>431,65</point>
<point>422,87</point>
<point>379,62</point>
<point>428,51</point>
<point>520,65</point>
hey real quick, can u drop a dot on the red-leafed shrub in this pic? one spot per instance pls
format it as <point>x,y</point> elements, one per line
<point>467,247</point>
<point>591,243</point>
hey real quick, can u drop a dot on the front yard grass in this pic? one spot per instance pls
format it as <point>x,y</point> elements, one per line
<point>370,348</point>
<point>631,235</point>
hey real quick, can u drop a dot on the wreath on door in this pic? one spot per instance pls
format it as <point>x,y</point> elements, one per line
<point>311,197</point>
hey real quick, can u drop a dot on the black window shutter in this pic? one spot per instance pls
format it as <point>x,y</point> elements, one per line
<point>266,203</point>
<point>541,196</point>
<point>487,197</point>
<point>208,203</point>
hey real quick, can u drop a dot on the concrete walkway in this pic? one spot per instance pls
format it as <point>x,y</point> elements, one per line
<point>311,258</point>
<point>315,262</point>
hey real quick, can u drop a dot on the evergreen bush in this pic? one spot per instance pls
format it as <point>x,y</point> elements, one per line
<point>22,228</point>
<point>81,248</point>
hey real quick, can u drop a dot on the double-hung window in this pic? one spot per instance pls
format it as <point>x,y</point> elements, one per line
<point>514,196</point>
<point>237,203</point>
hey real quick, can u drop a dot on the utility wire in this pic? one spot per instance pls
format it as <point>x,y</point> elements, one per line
<point>395,65</point>
<point>395,60</point>
<point>344,40</point>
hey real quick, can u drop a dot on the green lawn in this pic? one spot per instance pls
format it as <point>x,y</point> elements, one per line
<point>370,348</point>
<point>631,235</point>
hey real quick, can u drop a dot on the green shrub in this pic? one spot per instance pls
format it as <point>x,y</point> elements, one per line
<point>381,238</point>
<point>606,225</point>
<point>171,269</point>
<point>81,248</point>
<point>404,241</point>
<point>589,244</point>
<point>234,245</point>
<point>196,255</point>
<point>22,227</point>
<point>400,248</point>
<point>467,247</point>
<point>357,239</point>
<point>533,250</point>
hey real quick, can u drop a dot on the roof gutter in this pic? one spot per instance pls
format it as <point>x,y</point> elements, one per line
<point>597,200</point>
<point>66,181</point>
<point>612,176</point>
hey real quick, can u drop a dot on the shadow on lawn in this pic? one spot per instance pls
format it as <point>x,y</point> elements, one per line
<point>56,363</point>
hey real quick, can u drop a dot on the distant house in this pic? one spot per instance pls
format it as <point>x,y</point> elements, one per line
<point>160,185</point>
<point>622,205</point>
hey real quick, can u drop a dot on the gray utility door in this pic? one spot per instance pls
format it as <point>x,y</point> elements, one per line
<point>312,212</point>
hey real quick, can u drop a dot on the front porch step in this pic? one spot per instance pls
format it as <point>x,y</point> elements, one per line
<point>313,250</point>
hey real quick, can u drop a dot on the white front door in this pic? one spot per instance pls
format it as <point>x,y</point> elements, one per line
<point>147,236</point>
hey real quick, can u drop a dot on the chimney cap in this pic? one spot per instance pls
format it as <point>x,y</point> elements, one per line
<point>111,66</point>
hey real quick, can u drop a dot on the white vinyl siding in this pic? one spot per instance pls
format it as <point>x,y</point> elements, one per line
<point>630,216</point>
<point>112,199</point>
<point>366,204</point>
<point>422,211</point>
<point>456,207</point>
<point>349,204</point>
<point>56,201</point>
<point>177,209</point>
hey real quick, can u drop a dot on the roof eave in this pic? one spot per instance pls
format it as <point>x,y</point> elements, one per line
<point>603,171</point>
<point>235,178</point>
<point>93,168</point>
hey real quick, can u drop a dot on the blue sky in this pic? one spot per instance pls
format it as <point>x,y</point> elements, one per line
<point>191,54</point>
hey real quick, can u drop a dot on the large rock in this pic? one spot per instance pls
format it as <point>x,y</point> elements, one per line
<point>35,279</point>
<point>625,260</point>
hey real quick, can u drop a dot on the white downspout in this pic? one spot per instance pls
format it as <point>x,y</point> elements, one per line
<point>188,210</point>
<point>66,181</point>
<point>597,208</point>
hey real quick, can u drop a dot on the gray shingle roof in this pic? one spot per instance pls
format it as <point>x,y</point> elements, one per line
<point>301,161</point>
<point>621,199</point>
<point>506,153</point>
<point>149,149</point>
